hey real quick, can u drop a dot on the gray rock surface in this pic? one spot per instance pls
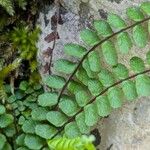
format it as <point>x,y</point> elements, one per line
<point>127,128</point>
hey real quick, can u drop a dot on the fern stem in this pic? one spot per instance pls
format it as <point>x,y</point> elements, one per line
<point>92,49</point>
<point>101,93</point>
<point>117,83</point>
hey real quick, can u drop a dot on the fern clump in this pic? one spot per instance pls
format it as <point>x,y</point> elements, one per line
<point>15,117</point>
<point>81,92</point>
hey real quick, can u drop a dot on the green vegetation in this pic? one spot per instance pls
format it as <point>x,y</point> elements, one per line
<point>31,118</point>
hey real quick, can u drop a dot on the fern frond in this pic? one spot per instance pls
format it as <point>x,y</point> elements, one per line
<point>8,6</point>
<point>80,143</point>
<point>98,90</point>
<point>6,70</point>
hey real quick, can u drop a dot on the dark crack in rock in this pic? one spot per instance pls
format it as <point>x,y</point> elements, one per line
<point>103,14</point>
<point>117,1</point>
<point>97,135</point>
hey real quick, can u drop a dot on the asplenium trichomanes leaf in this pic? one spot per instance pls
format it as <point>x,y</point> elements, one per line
<point>81,143</point>
<point>91,91</point>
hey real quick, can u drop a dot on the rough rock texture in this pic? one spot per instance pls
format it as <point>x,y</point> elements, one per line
<point>127,128</point>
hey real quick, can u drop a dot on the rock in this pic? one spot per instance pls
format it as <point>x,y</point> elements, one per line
<point>126,128</point>
<point>70,28</point>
